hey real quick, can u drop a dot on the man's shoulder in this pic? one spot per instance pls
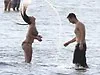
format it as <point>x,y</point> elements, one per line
<point>81,24</point>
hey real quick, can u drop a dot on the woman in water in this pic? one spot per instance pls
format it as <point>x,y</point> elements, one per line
<point>32,34</point>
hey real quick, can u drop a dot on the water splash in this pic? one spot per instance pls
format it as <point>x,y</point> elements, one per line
<point>27,2</point>
<point>60,23</point>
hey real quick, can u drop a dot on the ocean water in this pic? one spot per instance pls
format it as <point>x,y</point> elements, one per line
<point>50,57</point>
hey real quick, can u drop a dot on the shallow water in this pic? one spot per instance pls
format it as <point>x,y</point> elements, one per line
<point>49,56</point>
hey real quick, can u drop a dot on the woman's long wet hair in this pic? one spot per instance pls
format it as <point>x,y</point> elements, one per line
<point>25,17</point>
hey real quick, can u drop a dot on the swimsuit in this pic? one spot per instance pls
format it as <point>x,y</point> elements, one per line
<point>80,55</point>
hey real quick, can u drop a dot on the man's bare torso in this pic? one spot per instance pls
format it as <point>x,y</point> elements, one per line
<point>80,32</point>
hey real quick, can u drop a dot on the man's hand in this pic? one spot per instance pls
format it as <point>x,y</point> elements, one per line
<point>81,46</point>
<point>71,41</point>
<point>66,44</point>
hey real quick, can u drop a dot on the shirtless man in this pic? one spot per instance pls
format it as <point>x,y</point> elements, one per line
<point>32,34</point>
<point>7,4</point>
<point>80,50</point>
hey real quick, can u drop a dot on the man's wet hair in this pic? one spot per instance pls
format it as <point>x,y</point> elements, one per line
<point>25,17</point>
<point>71,15</point>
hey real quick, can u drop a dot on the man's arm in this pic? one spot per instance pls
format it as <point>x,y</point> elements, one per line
<point>82,36</point>
<point>71,41</point>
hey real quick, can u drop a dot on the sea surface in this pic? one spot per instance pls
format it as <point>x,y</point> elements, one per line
<point>50,57</point>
